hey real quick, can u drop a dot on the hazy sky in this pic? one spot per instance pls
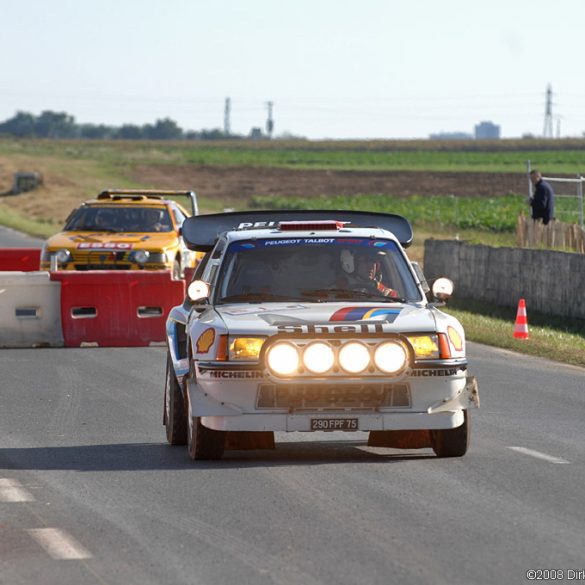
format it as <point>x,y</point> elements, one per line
<point>333,68</point>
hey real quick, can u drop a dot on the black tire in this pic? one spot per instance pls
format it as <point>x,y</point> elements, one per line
<point>204,443</point>
<point>452,442</point>
<point>175,417</point>
<point>177,272</point>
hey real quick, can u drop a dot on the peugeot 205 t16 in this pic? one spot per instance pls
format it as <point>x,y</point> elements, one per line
<point>306,321</point>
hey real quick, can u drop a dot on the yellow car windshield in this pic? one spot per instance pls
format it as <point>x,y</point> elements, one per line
<point>120,219</point>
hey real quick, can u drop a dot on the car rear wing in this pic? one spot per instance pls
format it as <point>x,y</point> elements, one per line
<point>201,233</point>
<point>136,194</point>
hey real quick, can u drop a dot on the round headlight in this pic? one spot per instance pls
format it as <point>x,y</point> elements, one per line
<point>390,357</point>
<point>283,359</point>
<point>354,357</point>
<point>141,256</point>
<point>318,357</point>
<point>63,256</point>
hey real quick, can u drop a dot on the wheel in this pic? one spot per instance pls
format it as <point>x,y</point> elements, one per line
<point>452,442</point>
<point>204,443</point>
<point>175,418</point>
<point>177,272</point>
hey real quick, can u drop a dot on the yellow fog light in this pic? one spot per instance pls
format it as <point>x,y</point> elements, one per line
<point>283,359</point>
<point>245,348</point>
<point>318,357</point>
<point>390,357</point>
<point>425,347</point>
<point>354,357</point>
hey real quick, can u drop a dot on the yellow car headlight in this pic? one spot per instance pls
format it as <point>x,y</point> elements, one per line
<point>63,256</point>
<point>426,347</point>
<point>283,358</point>
<point>245,348</point>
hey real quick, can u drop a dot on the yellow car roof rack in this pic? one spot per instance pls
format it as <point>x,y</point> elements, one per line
<point>138,194</point>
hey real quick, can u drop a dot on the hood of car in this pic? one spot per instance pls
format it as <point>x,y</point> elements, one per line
<point>332,317</point>
<point>110,240</point>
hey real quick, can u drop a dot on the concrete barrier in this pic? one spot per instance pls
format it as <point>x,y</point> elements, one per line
<point>551,282</point>
<point>30,310</point>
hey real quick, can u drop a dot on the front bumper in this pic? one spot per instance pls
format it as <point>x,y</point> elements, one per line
<point>232,404</point>
<point>366,422</point>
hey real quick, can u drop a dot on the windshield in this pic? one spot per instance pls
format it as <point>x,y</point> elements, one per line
<point>120,219</point>
<point>316,269</point>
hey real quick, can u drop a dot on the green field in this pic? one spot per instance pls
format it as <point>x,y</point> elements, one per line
<point>562,157</point>
<point>498,214</point>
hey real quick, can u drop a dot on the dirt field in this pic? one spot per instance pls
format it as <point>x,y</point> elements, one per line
<point>238,184</point>
<point>67,185</point>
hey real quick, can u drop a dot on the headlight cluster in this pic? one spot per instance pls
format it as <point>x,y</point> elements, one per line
<point>143,256</point>
<point>139,256</point>
<point>426,347</point>
<point>245,348</point>
<point>352,357</point>
<point>63,256</point>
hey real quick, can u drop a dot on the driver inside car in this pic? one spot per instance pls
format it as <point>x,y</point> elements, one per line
<point>363,272</point>
<point>154,220</point>
<point>105,219</point>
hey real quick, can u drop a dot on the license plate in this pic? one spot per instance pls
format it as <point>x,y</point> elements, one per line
<point>334,424</point>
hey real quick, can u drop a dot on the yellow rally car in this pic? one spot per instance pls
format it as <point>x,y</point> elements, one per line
<point>124,230</point>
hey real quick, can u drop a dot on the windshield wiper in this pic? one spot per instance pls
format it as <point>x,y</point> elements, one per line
<point>98,229</point>
<point>258,298</point>
<point>345,294</point>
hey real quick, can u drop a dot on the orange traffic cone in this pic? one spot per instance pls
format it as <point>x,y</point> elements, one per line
<point>521,327</point>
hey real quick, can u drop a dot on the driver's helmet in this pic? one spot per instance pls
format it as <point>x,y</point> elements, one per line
<point>153,216</point>
<point>347,261</point>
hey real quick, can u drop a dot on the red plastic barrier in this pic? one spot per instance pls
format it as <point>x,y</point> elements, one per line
<point>20,259</point>
<point>116,308</point>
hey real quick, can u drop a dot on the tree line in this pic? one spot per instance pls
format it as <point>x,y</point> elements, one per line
<point>51,124</point>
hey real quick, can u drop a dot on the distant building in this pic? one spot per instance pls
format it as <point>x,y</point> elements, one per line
<point>487,131</point>
<point>256,134</point>
<point>451,136</point>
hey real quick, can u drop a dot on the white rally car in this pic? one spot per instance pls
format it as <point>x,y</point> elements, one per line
<point>313,321</point>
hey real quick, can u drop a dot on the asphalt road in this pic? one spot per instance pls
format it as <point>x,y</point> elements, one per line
<point>91,493</point>
<point>10,238</point>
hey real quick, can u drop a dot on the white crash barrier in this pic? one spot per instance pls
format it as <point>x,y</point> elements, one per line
<point>30,310</point>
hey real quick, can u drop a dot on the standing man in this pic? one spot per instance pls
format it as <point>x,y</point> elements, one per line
<point>543,198</point>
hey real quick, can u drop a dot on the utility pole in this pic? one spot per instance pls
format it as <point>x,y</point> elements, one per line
<point>548,117</point>
<point>227,130</point>
<point>270,120</point>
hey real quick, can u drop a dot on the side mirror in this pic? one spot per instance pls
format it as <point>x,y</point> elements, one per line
<point>198,290</point>
<point>442,289</point>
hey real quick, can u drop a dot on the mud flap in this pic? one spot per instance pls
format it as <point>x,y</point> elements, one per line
<point>415,439</point>
<point>249,440</point>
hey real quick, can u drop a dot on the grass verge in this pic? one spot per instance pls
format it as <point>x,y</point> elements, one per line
<point>32,227</point>
<point>556,338</point>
